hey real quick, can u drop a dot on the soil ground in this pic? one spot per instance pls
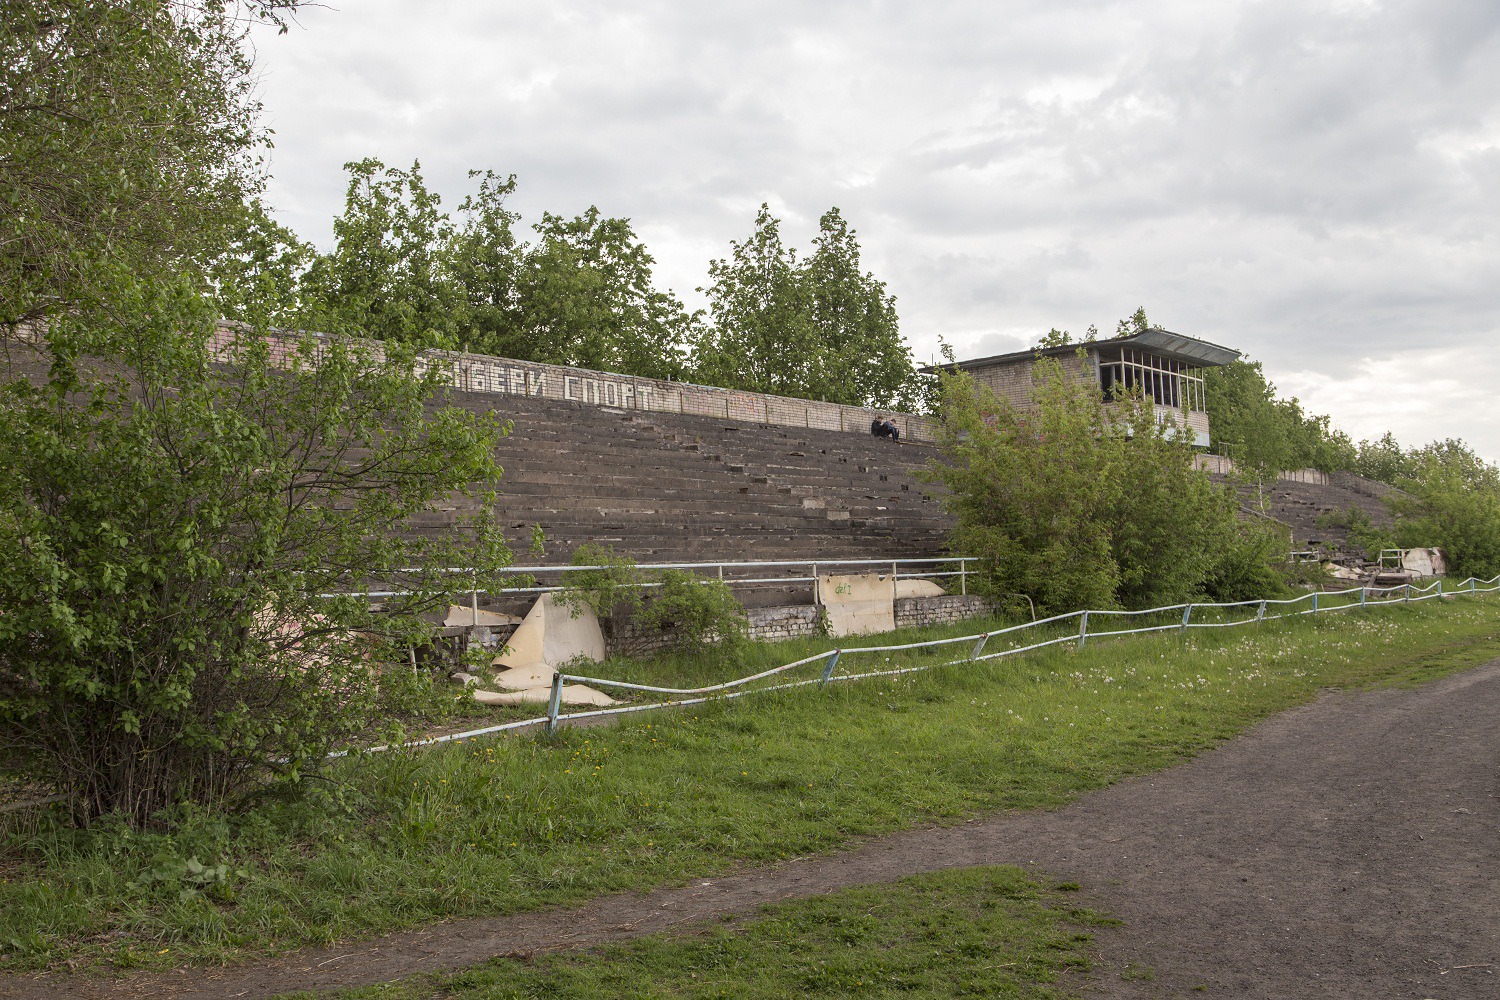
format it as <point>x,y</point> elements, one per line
<point>1346,849</point>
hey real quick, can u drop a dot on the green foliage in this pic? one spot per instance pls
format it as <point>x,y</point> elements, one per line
<point>167,527</point>
<point>389,274</point>
<point>698,612</point>
<point>1384,460</point>
<point>128,134</point>
<point>585,297</point>
<point>1362,532</point>
<point>1451,499</point>
<point>818,330</point>
<point>1079,504</point>
<point>1265,435</point>
<point>610,589</point>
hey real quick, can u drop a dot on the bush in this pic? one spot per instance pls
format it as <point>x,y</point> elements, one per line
<point>1079,504</point>
<point>698,612</point>
<point>170,533</point>
<point>612,589</point>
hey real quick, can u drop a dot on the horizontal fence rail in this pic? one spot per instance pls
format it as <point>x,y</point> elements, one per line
<point>1182,619</point>
<point>724,571</point>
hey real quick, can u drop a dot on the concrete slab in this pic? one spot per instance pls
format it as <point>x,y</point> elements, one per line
<point>572,694</point>
<point>460,615</point>
<point>547,636</point>
<point>858,605</point>
<point>918,588</point>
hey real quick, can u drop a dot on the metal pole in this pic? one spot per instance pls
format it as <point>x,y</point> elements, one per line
<point>474,601</point>
<point>554,701</point>
<point>833,661</point>
<point>963,577</point>
<point>1260,613</point>
<point>1315,602</point>
<point>1083,629</point>
<point>1406,596</point>
<point>1363,591</point>
<point>979,646</point>
<point>895,588</point>
<point>1187,615</point>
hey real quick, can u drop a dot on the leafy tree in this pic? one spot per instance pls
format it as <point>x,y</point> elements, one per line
<point>486,263</point>
<point>165,536</point>
<point>259,276</point>
<point>388,276</point>
<point>761,336</point>
<point>168,524</point>
<point>586,297</point>
<point>820,329</point>
<point>128,128</point>
<point>1265,434</point>
<point>1384,460</point>
<point>863,359</point>
<point>1451,499</point>
<point>1081,505</point>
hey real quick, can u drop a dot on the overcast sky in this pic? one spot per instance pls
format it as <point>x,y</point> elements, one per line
<point>1315,184</point>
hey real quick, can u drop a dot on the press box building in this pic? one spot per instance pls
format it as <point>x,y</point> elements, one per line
<point>1165,366</point>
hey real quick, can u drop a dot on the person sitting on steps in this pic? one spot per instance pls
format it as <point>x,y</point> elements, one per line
<point>881,427</point>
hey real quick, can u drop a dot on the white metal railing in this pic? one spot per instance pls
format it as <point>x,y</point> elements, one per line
<point>726,690</point>
<point>719,569</point>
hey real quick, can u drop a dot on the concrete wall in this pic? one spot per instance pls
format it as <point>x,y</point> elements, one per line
<point>798,621</point>
<point>503,376</point>
<point>1012,381</point>
<point>1219,465</point>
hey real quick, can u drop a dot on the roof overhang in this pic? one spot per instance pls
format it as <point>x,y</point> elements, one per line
<point>1163,343</point>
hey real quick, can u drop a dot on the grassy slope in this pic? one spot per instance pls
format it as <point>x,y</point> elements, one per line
<point>495,826</point>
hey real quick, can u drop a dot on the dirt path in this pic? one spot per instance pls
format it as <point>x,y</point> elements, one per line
<point>1349,848</point>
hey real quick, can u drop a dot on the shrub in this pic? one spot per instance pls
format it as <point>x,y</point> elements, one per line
<point>1079,504</point>
<point>170,531</point>
<point>698,612</point>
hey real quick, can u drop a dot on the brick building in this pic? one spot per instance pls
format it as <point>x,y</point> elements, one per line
<point>1164,365</point>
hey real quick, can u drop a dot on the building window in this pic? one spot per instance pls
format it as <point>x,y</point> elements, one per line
<point>1164,381</point>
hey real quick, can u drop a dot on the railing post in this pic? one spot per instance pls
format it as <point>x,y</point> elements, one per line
<point>1406,595</point>
<point>554,701</point>
<point>963,577</point>
<point>828,668</point>
<point>1187,616</point>
<point>1471,585</point>
<point>1083,629</point>
<point>474,600</point>
<point>1260,612</point>
<point>1363,591</point>
<point>895,588</point>
<point>1440,586</point>
<point>978,647</point>
<point>1315,602</point>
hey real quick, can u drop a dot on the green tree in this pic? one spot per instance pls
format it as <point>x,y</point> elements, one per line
<point>1076,504</point>
<point>586,297</point>
<point>486,263</point>
<point>862,357</point>
<point>128,133</point>
<point>169,525</point>
<point>822,329</point>
<point>1451,499</point>
<point>761,335</point>
<point>1264,434</point>
<point>389,275</point>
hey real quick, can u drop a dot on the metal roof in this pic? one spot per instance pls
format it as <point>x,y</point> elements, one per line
<point>1162,343</point>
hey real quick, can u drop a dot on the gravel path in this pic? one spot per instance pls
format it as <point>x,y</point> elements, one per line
<point>1346,849</point>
